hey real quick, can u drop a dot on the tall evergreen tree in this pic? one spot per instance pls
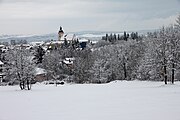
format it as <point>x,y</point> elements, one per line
<point>39,53</point>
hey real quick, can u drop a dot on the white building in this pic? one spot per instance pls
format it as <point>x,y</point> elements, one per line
<point>2,74</point>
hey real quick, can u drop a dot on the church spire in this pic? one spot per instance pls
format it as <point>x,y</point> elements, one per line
<point>60,33</point>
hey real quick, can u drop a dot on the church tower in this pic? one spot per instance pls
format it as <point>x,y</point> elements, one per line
<point>60,33</point>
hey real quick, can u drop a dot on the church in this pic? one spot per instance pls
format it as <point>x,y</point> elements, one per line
<point>69,38</point>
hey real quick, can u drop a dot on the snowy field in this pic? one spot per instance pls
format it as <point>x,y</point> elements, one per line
<point>114,101</point>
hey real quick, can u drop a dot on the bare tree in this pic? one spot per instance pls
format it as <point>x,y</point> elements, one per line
<point>21,66</point>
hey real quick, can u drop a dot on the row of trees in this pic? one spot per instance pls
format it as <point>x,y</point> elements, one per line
<point>119,61</point>
<point>154,57</point>
<point>162,56</point>
<point>115,37</point>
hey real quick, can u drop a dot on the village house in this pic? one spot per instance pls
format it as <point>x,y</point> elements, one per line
<point>2,74</point>
<point>68,62</point>
<point>40,75</point>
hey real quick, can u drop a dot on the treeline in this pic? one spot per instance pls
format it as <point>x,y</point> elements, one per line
<point>153,57</point>
<point>116,37</point>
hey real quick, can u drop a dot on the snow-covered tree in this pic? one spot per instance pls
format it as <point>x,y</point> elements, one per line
<point>21,67</point>
<point>81,66</point>
<point>52,62</point>
<point>117,61</point>
<point>177,24</point>
<point>161,58</point>
<point>149,67</point>
<point>100,70</point>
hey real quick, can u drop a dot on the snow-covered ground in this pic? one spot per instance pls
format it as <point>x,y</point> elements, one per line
<point>114,101</point>
<point>92,35</point>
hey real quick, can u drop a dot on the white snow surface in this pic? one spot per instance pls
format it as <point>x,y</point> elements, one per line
<point>91,35</point>
<point>118,100</point>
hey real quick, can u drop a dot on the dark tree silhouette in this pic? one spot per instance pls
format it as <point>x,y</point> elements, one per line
<point>39,54</point>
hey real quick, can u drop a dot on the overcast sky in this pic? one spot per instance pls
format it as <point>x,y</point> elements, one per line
<point>45,16</point>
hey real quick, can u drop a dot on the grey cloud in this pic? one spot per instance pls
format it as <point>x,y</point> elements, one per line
<point>147,9</point>
<point>77,15</point>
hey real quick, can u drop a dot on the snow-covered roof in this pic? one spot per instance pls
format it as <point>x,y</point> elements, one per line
<point>2,45</point>
<point>69,37</point>
<point>94,41</point>
<point>69,61</point>
<point>83,40</point>
<point>23,45</point>
<point>3,50</point>
<point>54,42</point>
<point>39,71</point>
<point>36,43</point>
<point>1,63</point>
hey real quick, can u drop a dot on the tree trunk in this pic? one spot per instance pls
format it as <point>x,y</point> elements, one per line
<point>22,85</point>
<point>165,74</point>
<point>125,71</point>
<point>29,85</point>
<point>173,67</point>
